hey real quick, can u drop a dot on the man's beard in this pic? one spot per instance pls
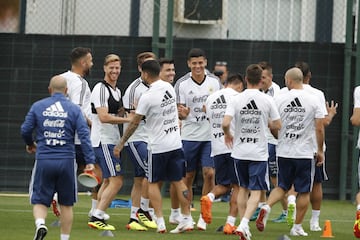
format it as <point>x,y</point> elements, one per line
<point>87,72</point>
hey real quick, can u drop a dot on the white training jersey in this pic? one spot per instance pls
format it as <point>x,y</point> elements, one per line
<point>251,111</point>
<point>357,105</point>
<point>273,91</point>
<point>193,95</point>
<point>105,133</point>
<point>321,98</point>
<point>79,93</point>
<point>158,105</point>
<point>130,100</point>
<point>298,110</point>
<point>216,105</point>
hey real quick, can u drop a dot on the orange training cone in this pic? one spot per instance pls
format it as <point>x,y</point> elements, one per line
<point>327,233</point>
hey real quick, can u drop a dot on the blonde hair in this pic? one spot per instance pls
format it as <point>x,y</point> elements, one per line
<point>111,58</point>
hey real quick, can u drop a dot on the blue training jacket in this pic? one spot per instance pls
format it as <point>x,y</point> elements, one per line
<point>55,120</point>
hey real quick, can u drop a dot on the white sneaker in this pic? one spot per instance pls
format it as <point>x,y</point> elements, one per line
<point>314,226</point>
<point>297,232</point>
<point>243,233</point>
<point>201,225</point>
<point>175,218</point>
<point>185,225</point>
<point>106,216</point>
<point>262,218</point>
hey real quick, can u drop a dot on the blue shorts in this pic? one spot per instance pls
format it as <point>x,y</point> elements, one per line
<point>79,155</point>
<point>225,169</point>
<point>168,166</point>
<point>110,165</point>
<point>50,176</point>
<point>272,160</point>
<point>253,175</point>
<point>320,173</point>
<point>138,154</point>
<point>197,152</point>
<point>299,172</point>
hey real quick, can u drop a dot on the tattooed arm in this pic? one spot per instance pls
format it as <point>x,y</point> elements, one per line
<point>129,131</point>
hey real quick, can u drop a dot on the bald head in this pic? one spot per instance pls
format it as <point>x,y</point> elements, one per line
<point>57,85</point>
<point>294,78</point>
<point>294,74</point>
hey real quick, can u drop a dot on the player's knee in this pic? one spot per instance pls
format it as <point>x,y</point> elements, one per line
<point>208,173</point>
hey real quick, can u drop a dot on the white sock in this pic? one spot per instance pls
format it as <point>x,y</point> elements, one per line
<point>144,203</point>
<point>315,215</point>
<point>160,221</point>
<point>260,204</point>
<point>39,221</point>
<point>267,208</point>
<point>244,222</point>
<point>133,212</point>
<point>64,236</point>
<point>93,203</point>
<point>175,211</point>
<point>291,199</point>
<point>98,213</point>
<point>285,211</point>
<point>297,226</point>
<point>211,196</point>
<point>231,220</point>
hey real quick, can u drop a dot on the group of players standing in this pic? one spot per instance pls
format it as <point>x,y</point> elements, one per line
<point>229,128</point>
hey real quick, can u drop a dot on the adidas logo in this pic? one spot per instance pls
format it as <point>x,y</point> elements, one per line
<point>191,92</point>
<point>55,110</point>
<point>294,106</point>
<point>167,99</point>
<point>219,103</point>
<point>250,108</point>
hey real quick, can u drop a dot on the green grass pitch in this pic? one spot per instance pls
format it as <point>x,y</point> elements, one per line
<point>16,222</point>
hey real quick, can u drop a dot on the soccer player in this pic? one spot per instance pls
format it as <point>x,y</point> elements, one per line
<point>136,147</point>
<point>80,93</point>
<point>226,181</point>
<point>167,73</point>
<point>253,112</point>
<point>192,91</point>
<point>166,158</point>
<point>106,103</point>
<point>320,171</point>
<point>55,120</point>
<point>301,116</point>
<point>272,89</point>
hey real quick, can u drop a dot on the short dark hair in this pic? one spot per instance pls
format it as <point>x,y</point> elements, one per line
<point>265,66</point>
<point>152,67</point>
<point>235,78</point>
<point>77,53</point>
<point>304,67</point>
<point>254,73</point>
<point>163,61</point>
<point>196,52</point>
